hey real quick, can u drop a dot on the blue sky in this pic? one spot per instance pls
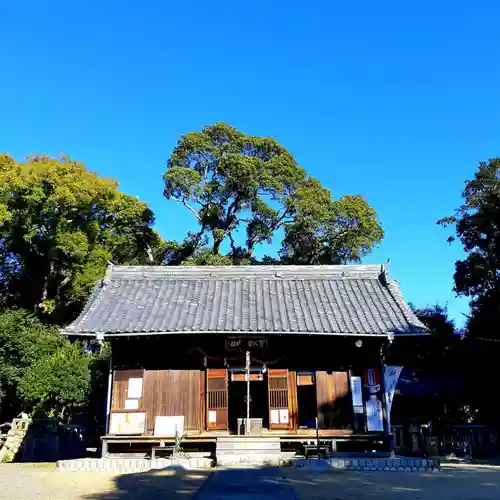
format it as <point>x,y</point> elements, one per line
<point>394,100</point>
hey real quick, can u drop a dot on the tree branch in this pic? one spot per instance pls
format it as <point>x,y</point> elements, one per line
<point>232,242</point>
<point>190,208</point>
<point>257,239</point>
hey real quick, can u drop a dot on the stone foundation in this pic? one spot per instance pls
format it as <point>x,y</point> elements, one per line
<point>131,465</point>
<point>138,465</point>
<point>398,464</point>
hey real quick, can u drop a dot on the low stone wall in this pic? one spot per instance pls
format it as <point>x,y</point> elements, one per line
<point>398,464</point>
<point>130,465</point>
<point>13,441</point>
<point>138,465</point>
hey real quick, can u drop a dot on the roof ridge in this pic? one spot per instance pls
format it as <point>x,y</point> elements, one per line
<point>372,271</point>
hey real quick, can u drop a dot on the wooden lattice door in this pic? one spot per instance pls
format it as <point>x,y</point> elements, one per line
<point>217,399</point>
<point>279,401</point>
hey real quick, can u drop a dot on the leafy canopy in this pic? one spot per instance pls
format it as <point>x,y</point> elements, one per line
<point>59,226</point>
<point>235,184</point>
<point>39,367</point>
<point>477,228</point>
<point>23,341</point>
<point>54,382</point>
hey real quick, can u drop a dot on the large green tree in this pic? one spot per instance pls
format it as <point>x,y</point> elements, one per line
<point>23,341</point>
<point>39,368</point>
<point>236,184</point>
<point>60,225</point>
<point>58,381</point>
<point>476,226</point>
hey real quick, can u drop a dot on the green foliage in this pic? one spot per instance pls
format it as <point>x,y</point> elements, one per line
<point>477,227</point>
<point>42,369</point>
<point>23,341</point>
<point>54,382</point>
<point>332,231</point>
<point>236,183</point>
<point>59,226</point>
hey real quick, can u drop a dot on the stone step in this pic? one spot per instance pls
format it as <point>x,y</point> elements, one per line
<point>235,459</point>
<point>245,445</point>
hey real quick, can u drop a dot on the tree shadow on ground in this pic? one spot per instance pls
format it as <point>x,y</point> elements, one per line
<point>164,484</point>
<point>273,483</point>
<point>457,484</point>
<point>169,483</point>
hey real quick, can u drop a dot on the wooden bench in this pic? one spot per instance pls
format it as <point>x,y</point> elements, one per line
<point>155,449</point>
<point>321,450</point>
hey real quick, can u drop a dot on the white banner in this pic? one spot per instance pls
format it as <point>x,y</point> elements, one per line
<point>357,391</point>
<point>391,377</point>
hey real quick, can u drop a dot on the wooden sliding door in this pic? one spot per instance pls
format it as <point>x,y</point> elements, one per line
<point>217,399</point>
<point>333,400</point>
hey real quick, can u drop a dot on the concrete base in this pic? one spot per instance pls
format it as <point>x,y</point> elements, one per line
<point>137,465</point>
<point>397,464</point>
<point>131,465</point>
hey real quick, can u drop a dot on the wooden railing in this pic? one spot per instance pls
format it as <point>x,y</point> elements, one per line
<point>461,441</point>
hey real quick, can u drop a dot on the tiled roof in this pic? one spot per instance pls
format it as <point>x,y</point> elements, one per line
<point>342,300</point>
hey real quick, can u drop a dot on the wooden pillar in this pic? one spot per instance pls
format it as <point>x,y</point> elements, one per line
<point>108,398</point>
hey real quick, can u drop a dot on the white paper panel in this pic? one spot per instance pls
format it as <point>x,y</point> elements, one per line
<point>275,416</point>
<point>131,404</point>
<point>134,388</point>
<point>169,426</point>
<point>283,413</point>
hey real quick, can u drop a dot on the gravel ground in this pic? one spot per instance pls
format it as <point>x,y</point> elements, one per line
<point>24,482</point>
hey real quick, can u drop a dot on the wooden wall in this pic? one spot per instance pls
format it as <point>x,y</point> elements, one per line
<point>182,392</point>
<point>164,393</point>
<point>120,388</point>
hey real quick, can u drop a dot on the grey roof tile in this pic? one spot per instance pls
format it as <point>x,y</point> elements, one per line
<point>343,300</point>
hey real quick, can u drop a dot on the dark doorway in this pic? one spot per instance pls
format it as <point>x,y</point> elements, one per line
<point>307,402</point>
<point>259,403</point>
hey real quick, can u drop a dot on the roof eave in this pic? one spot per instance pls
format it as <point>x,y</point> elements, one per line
<point>226,332</point>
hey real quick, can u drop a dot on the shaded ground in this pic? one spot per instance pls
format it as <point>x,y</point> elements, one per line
<point>449,484</point>
<point>242,484</point>
<point>22,482</point>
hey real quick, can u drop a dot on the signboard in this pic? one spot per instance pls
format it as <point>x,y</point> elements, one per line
<point>374,416</point>
<point>372,381</point>
<point>356,391</point>
<point>127,423</point>
<point>245,343</point>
